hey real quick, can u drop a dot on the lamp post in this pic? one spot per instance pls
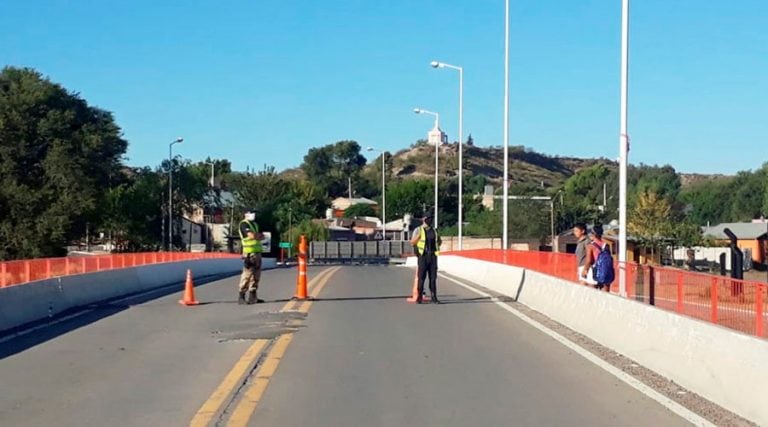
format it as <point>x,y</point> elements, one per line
<point>437,151</point>
<point>505,210</point>
<point>437,64</point>
<point>383,193</point>
<point>623,148</point>
<point>170,191</point>
<point>208,233</point>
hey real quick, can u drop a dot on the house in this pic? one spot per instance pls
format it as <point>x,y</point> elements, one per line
<point>341,204</point>
<point>750,236</point>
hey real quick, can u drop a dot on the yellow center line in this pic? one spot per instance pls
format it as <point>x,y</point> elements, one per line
<point>247,405</point>
<point>315,292</point>
<point>214,403</point>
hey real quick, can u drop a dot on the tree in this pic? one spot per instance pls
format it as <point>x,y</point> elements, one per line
<point>747,189</point>
<point>662,180</point>
<point>57,155</point>
<point>312,231</point>
<point>132,215</point>
<point>649,221</point>
<point>331,166</point>
<point>582,197</point>
<point>410,196</point>
<point>708,201</point>
<point>359,210</point>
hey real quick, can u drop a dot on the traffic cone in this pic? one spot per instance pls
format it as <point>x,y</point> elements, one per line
<point>415,291</point>
<point>301,280</point>
<point>189,291</point>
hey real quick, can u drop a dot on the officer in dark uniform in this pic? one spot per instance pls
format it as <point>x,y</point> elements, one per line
<point>427,242</point>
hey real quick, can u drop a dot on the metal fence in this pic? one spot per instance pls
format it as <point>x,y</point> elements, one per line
<point>736,304</point>
<point>371,252</point>
<point>22,271</point>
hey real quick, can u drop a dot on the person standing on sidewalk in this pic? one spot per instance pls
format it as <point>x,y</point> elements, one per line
<point>582,254</point>
<point>599,260</point>
<point>427,242</point>
<point>250,239</point>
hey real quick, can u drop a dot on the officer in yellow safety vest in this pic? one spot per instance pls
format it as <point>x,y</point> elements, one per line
<point>427,242</point>
<point>250,239</point>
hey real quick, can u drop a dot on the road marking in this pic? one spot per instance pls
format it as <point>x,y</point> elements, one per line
<point>214,403</point>
<point>633,382</point>
<point>253,394</point>
<point>304,308</point>
<point>291,305</point>
<point>246,407</point>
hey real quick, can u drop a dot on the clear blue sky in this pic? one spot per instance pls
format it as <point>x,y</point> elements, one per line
<point>263,81</point>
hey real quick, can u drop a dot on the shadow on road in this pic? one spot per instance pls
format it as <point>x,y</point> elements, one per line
<point>27,336</point>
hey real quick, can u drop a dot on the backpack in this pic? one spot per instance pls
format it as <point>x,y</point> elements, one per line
<point>603,272</point>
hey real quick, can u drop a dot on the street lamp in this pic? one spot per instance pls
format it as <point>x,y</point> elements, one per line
<point>437,151</point>
<point>208,233</point>
<point>505,210</point>
<point>437,64</point>
<point>623,149</point>
<point>383,194</point>
<point>170,192</point>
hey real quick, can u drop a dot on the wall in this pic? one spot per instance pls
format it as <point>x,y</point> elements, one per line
<point>726,367</point>
<point>451,243</point>
<point>33,301</point>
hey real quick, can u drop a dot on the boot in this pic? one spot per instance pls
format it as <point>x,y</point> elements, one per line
<point>241,298</point>
<point>252,298</point>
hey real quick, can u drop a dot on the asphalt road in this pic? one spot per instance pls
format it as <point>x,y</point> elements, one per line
<point>357,356</point>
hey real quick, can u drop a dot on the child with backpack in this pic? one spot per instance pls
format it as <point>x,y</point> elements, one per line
<point>600,260</point>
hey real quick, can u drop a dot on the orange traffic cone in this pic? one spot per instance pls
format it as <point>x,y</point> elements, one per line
<point>189,291</point>
<point>415,291</point>
<point>301,280</point>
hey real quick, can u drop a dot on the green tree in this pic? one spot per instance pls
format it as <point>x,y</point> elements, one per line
<point>57,154</point>
<point>662,180</point>
<point>132,213</point>
<point>410,196</point>
<point>708,201</point>
<point>649,221</point>
<point>331,166</point>
<point>314,232</point>
<point>747,189</point>
<point>358,210</point>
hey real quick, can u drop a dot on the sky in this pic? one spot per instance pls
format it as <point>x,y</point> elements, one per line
<point>260,82</point>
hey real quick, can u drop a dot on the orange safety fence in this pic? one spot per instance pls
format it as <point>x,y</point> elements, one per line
<point>23,271</point>
<point>741,305</point>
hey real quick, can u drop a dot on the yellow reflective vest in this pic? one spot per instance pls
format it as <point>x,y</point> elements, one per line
<point>250,246</point>
<point>423,241</point>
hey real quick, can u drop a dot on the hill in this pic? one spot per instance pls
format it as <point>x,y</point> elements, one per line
<point>526,166</point>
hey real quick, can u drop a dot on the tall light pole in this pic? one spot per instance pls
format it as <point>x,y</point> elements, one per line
<point>170,191</point>
<point>505,211</point>
<point>436,64</point>
<point>208,233</point>
<point>383,194</point>
<point>437,151</point>
<point>623,148</point>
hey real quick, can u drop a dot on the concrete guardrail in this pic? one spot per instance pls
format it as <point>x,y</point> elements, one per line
<point>34,301</point>
<point>722,365</point>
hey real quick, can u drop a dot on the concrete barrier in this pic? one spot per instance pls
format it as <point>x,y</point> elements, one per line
<point>34,301</point>
<point>724,366</point>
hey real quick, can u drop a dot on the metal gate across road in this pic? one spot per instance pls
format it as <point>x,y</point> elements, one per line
<point>360,252</point>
